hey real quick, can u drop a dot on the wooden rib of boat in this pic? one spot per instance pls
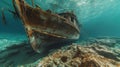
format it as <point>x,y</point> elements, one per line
<point>46,28</point>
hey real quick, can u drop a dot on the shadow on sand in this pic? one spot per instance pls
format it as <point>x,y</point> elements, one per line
<point>23,54</point>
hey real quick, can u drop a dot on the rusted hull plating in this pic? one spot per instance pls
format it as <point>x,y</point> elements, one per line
<point>45,28</point>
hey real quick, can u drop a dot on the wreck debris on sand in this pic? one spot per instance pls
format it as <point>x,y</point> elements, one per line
<point>46,28</point>
<point>78,56</point>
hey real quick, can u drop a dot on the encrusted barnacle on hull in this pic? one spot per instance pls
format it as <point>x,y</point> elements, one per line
<point>46,28</point>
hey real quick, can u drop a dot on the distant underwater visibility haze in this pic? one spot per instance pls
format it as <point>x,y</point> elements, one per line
<point>97,18</point>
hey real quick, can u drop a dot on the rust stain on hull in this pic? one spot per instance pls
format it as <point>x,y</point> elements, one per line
<point>45,28</point>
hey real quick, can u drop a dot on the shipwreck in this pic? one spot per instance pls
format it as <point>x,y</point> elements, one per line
<point>47,28</point>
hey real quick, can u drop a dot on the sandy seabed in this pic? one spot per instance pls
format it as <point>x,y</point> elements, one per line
<point>94,52</point>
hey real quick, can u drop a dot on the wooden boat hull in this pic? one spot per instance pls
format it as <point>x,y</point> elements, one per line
<point>45,28</point>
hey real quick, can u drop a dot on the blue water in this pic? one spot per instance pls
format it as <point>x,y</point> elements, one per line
<point>98,18</point>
